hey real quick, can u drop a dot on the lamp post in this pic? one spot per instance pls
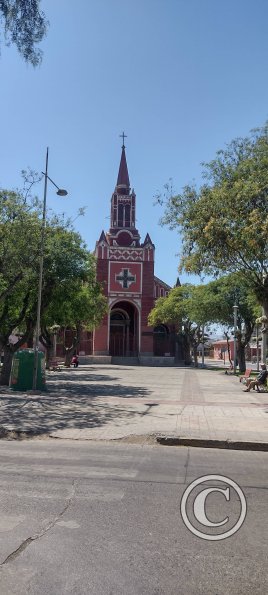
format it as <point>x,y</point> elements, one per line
<point>203,346</point>
<point>257,344</point>
<point>60,192</point>
<point>235,308</point>
<point>264,328</point>
<point>263,342</point>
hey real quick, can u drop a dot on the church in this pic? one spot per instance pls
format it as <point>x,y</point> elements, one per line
<point>125,270</point>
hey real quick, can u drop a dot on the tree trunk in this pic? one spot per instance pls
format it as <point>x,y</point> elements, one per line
<point>187,351</point>
<point>9,351</point>
<point>195,356</point>
<point>228,350</point>
<point>265,304</point>
<point>69,351</point>
<point>6,367</point>
<point>30,342</point>
<point>241,356</point>
<point>46,340</point>
<point>49,355</point>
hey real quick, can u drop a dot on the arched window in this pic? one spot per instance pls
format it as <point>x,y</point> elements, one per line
<point>161,329</point>
<point>118,315</point>
<point>120,215</point>
<point>127,216</point>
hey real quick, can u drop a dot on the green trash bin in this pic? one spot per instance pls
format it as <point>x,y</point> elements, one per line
<point>21,377</point>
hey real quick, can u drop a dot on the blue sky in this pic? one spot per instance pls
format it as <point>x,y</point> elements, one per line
<point>180,77</point>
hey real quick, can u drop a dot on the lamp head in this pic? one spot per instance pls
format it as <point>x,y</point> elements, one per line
<point>62,192</point>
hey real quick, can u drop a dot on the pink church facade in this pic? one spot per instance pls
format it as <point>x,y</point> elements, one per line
<point>125,268</point>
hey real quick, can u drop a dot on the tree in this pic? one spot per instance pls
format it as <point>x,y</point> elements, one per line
<point>25,25</point>
<point>176,309</point>
<point>79,306</point>
<point>224,223</point>
<point>214,302</point>
<point>66,261</point>
<point>19,233</point>
<point>196,306</point>
<point>19,239</point>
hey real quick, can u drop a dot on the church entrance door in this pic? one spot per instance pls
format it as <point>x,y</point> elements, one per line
<point>124,330</point>
<point>164,341</point>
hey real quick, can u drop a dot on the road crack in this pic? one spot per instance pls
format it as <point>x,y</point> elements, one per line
<point>187,464</point>
<point>50,526</point>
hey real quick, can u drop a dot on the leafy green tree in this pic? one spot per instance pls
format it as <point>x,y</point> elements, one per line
<point>176,309</point>
<point>214,302</point>
<point>66,260</point>
<point>224,223</point>
<point>19,244</point>
<point>191,307</point>
<point>19,240</point>
<point>25,25</point>
<point>79,305</point>
<point>16,312</point>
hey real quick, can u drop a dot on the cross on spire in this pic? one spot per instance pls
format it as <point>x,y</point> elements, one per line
<point>125,278</point>
<point>123,136</point>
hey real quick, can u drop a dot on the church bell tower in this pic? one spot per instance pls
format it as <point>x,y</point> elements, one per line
<point>125,268</point>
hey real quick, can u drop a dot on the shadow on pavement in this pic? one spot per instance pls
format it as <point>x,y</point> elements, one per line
<point>72,402</point>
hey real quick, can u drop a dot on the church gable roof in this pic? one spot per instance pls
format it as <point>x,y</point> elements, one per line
<point>148,241</point>
<point>103,238</point>
<point>160,282</point>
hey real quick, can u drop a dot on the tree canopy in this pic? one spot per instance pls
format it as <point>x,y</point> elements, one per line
<point>176,309</point>
<point>25,25</point>
<point>69,290</point>
<point>224,223</point>
<point>191,307</point>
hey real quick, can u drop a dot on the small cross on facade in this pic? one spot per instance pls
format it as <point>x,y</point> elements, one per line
<point>123,136</point>
<point>125,278</point>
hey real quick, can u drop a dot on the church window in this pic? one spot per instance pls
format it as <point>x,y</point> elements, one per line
<point>161,329</point>
<point>127,216</point>
<point>118,316</point>
<point>120,215</point>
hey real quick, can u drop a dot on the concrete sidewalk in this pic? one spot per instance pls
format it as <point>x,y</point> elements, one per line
<point>108,402</point>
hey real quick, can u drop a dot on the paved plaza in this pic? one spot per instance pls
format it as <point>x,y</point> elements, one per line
<point>108,402</point>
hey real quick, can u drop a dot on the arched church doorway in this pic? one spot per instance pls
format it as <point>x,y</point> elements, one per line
<point>124,318</point>
<point>164,341</point>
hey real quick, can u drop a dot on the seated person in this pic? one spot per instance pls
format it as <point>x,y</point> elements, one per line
<point>75,361</point>
<point>260,380</point>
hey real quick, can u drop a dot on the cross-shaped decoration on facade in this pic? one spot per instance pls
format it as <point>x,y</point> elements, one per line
<point>125,278</point>
<point>123,136</point>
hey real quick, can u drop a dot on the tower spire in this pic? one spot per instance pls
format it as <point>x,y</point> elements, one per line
<point>123,185</point>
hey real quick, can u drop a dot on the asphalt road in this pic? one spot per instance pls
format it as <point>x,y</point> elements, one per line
<point>104,519</point>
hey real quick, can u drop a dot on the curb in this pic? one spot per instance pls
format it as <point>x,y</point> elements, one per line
<point>210,443</point>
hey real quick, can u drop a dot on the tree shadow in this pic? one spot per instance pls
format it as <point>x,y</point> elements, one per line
<point>72,402</point>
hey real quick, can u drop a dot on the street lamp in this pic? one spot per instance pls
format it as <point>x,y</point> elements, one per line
<point>203,346</point>
<point>257,344</point>
<point>264,328</point>
<point>235,308</point>
<point>60,192</point>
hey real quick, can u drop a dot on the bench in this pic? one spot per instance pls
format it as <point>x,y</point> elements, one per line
<point>263,388</point>
<point>54,364</point>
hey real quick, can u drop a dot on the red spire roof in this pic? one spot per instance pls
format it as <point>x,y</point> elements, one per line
<point>123,179</point>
